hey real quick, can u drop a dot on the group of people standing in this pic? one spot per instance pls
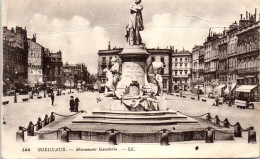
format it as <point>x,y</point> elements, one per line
<point>74,104</point>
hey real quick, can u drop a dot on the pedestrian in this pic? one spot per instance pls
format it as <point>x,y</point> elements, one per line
<point>217,100</point>
<point>76,104</point>
<point>72,103</point>
<point>52,98</point>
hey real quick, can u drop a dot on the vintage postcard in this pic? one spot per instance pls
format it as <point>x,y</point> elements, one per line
<point>130,79</point>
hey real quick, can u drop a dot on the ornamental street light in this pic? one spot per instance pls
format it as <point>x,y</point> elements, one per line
<point>16,73</point>
<point>198,88</point>
<point>229,88</point>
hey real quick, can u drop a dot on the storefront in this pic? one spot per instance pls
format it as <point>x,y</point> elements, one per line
<point>219,90</point>
<point>245,92</point>
<point>231,91</point>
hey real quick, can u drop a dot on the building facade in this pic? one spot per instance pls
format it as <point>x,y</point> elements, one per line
<point>231,60</point>
<point>247,70</point>
<point>181,70</point>
<point>15,55</point>
<point>52,69</point>
<point>35,61</point>
<point>74,74</point>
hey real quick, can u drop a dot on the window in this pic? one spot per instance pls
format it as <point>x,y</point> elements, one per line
<point>176,64</point>
<point>176,73</point>
<point>176,59</point>
<point>153,59</point>
<point>162,70</point>
<point>181,64</point>
<point>162,60</point>
<point>165,83</point>
<point>180,59</point>
<point>103,59</point>
<point>185,59</point>
<point>180,72</point>
<point>185,65</point>
<point>186,72</point>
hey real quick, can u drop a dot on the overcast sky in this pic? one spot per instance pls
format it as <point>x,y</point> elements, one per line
<point>79,28</point>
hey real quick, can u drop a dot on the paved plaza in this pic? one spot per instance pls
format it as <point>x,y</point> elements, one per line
<point>19,114</point>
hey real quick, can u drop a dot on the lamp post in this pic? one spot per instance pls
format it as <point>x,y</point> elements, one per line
<point>44,80</point>
<point>198,88</point>
<point>181,87</point>
<point>229,88</point>
<point>70,84</point>
<point>15,97</point>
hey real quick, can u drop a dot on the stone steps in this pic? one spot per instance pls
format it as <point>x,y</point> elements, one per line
<point>148,113</point>
<point>134,122</point>
<point>134,117</point>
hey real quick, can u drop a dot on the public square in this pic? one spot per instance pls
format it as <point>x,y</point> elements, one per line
<point>20,113</point>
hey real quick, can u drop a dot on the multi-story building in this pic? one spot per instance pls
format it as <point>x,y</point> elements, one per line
<point>181,70</point>
<point>197,77</point>
<point>211,62</point>
<point>163,55</point>
<point>74,74</point>
<point>248,66</point>
<point>222,69</point>
<point>52,69</point>
<point>15,55</point>
<point>35,61</point>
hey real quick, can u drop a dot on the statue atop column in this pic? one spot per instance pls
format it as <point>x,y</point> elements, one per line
<point>135,24</point>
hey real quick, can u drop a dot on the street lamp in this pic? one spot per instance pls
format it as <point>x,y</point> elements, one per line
<point>198,88</point>
<point>44,80</point>
<point>15,97</point>
<point>70,83</point>
<point>181,87</point>
<point>229,88</point>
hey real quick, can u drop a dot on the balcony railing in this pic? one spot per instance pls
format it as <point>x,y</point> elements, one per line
<point>245,70</point>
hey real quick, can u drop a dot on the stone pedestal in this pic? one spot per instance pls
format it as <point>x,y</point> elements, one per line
<point>134,64</point>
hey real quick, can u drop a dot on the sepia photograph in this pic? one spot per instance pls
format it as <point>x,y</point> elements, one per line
<point>130,79</point>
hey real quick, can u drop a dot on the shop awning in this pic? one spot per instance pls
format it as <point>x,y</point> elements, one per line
<point>240,78</point>
<point>226,91</point>
<point>220,86</point>
<point>250,76</point>
<point>245,88</point>
<point>197,86</point>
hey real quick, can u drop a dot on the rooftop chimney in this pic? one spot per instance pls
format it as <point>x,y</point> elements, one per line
<point>34,38</point>
<point>255,14</point>
<point>241,16</point>
<point>246,15</point>
<point>109,46</point>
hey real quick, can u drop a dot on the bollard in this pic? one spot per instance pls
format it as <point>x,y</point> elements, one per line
<point>216,120</point>
<point>46,120</point>
<point>52,117</point>
<point>20,135</point>
<point>209,135</point>
<point>30,129</point>
<point>164,137</point>
<point>112,136</point>
<point>251,135</point>
<point>237,130</point>
<point>39,124</point>
<point>208,117</point>
<point>226,123</point>
<point>64,135</point>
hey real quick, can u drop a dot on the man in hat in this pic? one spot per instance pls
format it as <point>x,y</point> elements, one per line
<point>115,70</point>
<point>76,108</point>
<point>72,103</point>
